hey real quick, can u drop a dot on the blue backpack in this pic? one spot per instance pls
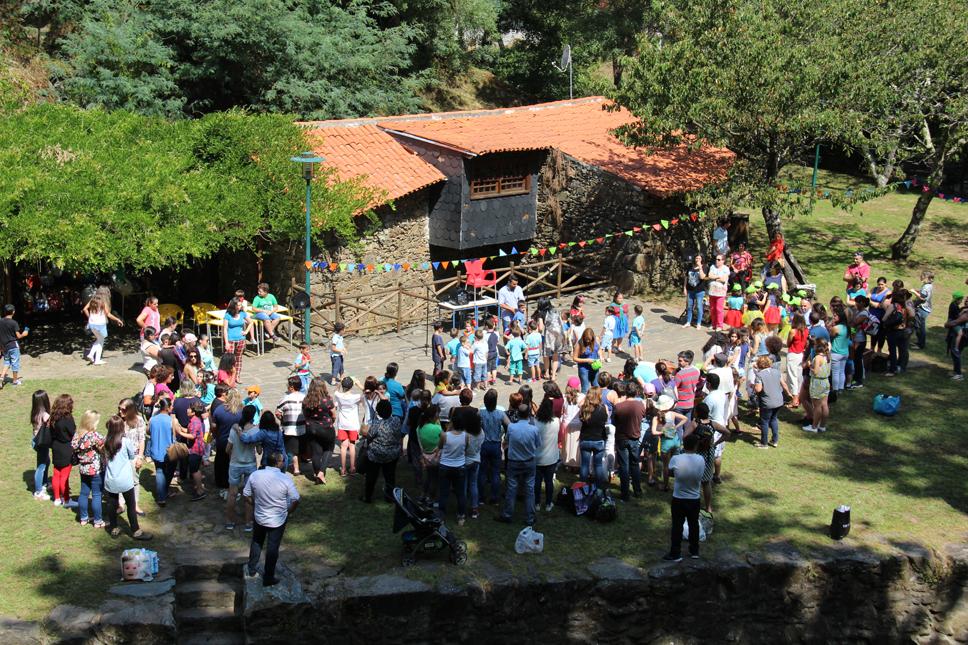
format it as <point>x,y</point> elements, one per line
<point>887,405</point>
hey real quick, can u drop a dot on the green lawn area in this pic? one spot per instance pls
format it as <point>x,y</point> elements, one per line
<point>903,477</point>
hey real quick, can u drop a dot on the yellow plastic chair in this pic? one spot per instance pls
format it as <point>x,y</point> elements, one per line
<point>200,312</point>
<point>176,312</point>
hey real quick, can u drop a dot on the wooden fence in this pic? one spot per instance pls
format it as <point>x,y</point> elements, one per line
<point>392,308</point>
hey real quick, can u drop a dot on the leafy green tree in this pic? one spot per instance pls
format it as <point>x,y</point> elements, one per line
<point>96,190</point>
<point>751,76</point>
<point>904,92</point>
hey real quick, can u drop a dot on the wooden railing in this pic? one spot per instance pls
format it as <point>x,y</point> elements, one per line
<point>391,308</point>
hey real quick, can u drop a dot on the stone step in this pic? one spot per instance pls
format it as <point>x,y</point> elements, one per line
<point>211,638</point>
<point>220,571</point>
<point>211,619</point>
<point>208,593</point>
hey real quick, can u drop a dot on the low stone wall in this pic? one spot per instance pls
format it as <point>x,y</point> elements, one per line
<point>849,596</point>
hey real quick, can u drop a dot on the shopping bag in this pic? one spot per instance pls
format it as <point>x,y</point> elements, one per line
<point>685,530</point>
<point>139,564</point>
<point>887,405</point>
<point>529,541</point>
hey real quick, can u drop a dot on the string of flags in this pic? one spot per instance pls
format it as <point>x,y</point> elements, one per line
<point>850,193</point>
<point>546,251</point>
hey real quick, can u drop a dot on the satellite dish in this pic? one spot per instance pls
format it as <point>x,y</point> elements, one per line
<point>565,57</point>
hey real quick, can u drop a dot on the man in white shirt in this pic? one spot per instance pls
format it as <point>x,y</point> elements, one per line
<point>721,236</point>
<point>273,496</point>
<point>508,298</point>
<point>718,402</point>
<point>688,468</point>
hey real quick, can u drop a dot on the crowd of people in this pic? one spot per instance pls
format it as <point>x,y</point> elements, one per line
<point>771,345</point>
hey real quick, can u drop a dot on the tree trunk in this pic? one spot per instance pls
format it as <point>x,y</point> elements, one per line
<point>774,224</point>
<point>901,249</point>
<point>617,70</point>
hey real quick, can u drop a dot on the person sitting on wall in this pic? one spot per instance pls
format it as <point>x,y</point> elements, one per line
<point>508,298</point>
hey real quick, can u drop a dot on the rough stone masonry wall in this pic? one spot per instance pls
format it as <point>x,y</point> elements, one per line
<point>909,595</point>
<point>577,201</point>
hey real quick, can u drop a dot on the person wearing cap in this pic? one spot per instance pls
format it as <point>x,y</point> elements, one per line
<point>858,271</point>
<point>957,324</point>
<point>668,426</point>
<point>252,398</point>
<point>751,310</point>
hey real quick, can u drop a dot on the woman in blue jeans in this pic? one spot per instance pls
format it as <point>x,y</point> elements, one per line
<point>547,458</point>
<point>39,416</point>
<point>587,359</point>
<point>591,438</point>
<point>694,289</point>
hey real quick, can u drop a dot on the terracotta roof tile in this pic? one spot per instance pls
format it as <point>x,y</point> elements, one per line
<point>365,151</point>
<point>581,129</point>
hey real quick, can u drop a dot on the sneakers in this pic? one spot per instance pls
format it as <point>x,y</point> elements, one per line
<point>199,496</point>
<point>761,446</point>
<point>549,506</point>
<point>58,502</point>
<point>141,535</point>
<point>42,495</point>
<point>809,428</point>
<point>19,381</point>
<point>475,514</point>
<point>668,557</point>
<point>229,526</point>
<point>854,386</point>
<point>686,325</point>
<point>822,429</point>
<point>460,520</point>
<point>248,528</point>
<point>957,377</point>
<point>223,493</point>
<point>100,362</point>
<point>694,557</point>
<point>773,444</point>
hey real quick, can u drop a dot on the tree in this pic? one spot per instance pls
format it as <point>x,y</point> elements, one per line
<point>96,190</point>
<point>748,75</point>
<point>904,92</point>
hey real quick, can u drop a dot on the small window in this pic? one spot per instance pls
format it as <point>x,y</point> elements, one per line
<point>500,186</point>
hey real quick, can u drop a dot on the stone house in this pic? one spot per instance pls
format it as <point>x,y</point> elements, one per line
<point>475,184</point>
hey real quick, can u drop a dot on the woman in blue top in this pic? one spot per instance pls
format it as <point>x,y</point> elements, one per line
<point>586,356</point>
<point>494,422</point>
<point>235,327</point>
<point>877,295</point>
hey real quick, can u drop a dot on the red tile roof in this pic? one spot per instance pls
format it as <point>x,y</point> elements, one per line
<point>360,150</point>
<point>581,129</point>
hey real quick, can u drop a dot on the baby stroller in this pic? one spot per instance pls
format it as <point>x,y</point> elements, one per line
<point>428,534</point>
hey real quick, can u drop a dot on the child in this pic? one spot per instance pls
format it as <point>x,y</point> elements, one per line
<point>533,343</point>
<point>226,370</point>
<point>9,335</point>
<point>955,332</point>
<point>608,333</point>
<point>519,317</point>
<point>337,353</point>
<point>244,306</point>
<point>301,364</point>
<point>516,348</point>
<point>735,307</point>
<point>636,333</point>
<point>437,348</point>
<point>492,343</point>
<point>923,297</point>
<point>266,307</point>
<point>479,351</point>
<point>252,398</point>
<point>752,306</point>
<point>269,436</point>
<point>464,360</point>
<point>452,346</point>
<point>349,406</point>
<point>207,388</point>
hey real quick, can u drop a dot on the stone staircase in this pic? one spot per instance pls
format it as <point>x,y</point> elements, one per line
<point>209,601</point>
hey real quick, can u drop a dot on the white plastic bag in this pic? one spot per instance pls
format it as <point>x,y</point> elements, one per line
<point>529,541</point>
<point>685,530</point>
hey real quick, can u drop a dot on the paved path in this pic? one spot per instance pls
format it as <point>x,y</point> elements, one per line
<point>664,337</point>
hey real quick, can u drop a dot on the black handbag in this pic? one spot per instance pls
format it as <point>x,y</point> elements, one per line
<point>44,439</point>
<point>840,523</point>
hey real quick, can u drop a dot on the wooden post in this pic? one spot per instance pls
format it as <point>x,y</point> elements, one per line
<point>400,307</point>
<point>335,304</point>
<point>559,276</point>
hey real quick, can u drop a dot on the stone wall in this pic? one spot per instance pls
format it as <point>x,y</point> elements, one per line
<point>848,596</point>
<point>579,202</point>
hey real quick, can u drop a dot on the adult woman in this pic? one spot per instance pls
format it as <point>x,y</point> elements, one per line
<point>493,424</point>
<point>819,386</point>
<point>98,314</point>
<point>796,345</point>
<point>428,434</point>
<point>87,444</point>
<point>898,324</point>
<point>768,388</point>
<point>554,340</point>
<point>235,326</point>
<point>226,371</point>
<point>710,434</point>
<point>592,436</point>
<point>149,316</point>
<point>320,413</point>
<point>150,351</point>
<point>571,422</point>
<point>694,290</point>
<point>135,430</point>
<point>839,347</point>
<point>221,420</point>
<point>39,416</point>
<point>586,357</point>
<point>373,393</point>
<point>547,459</point>
<point>452,450</point>
<point>877,296</point>
<point>119,478</point>
<point>475,441</point>
<point>718,277</point>
<point>382,450</point>
<point>62,433</point>
<point>241,465</point>
<point>193,368</point>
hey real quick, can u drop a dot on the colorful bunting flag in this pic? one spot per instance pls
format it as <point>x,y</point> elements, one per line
<point>664,222</point>
<point>552,250</point>
<point>543,251</point>
<point>514,251</point>
<point>599,239</point>
<point>445,264</point>
<point>657,227</point>
<point>501,253</point>
<point>582,243</point>
<point>436,265</point>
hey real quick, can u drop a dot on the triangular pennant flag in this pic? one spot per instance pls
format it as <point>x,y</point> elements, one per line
<point>562,246</point>
<point>664,222</point>
<point>424,266</point>
<point>582,243</point>
<point>406,266</point>
<point>629,233</point>
<point>445,264</point>
<point>483,260</point>
<point>436,265</point>
<point>379,268</point>
<point>514,251</point>
<point>941,195</point>
<point>370,267</point>
<point>456,263</point>
<point>542,252</point>
<point>694,217</point>
<point>609,235</point>
<point>342,266</point>
<point>333,266</point>
<point>599,239</point>
<point>533,251</point>
<point>491,257</point>
<point>907,183</point>
<point>636,228</point>
<point>675,221</point>
<point>387,266</point>
<point>397,267</point>
<point>657,227</point>
<point>501,253</point>
<point>552,250</point>
<point>572,243</point>
<point>309,265</point>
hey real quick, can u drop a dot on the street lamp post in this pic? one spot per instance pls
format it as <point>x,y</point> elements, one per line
<point>308,160</point>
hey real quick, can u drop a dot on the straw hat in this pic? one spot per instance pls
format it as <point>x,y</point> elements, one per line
<point>665,403</point>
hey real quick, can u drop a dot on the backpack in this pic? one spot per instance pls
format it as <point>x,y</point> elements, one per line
<point>870,325</point>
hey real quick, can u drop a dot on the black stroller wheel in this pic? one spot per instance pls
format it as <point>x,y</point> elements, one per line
<point>458,555</point>
<point>408,559</point>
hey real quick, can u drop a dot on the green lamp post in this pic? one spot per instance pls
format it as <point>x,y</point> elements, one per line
<point>308,160</point>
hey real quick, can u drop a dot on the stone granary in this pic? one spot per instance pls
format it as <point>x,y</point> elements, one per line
<point>472,184</point>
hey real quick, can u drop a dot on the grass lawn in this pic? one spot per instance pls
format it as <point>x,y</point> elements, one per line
<point>903,477</point>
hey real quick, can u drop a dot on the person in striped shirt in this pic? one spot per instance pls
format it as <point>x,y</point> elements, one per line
<point>686,380</point>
